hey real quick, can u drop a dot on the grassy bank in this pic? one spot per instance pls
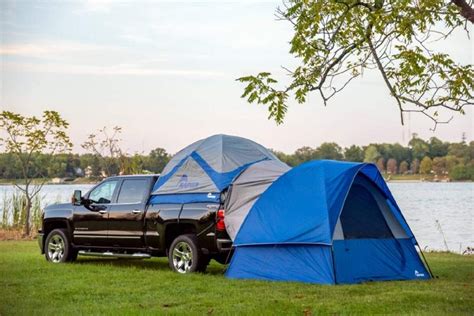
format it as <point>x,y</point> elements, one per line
<point>111,286</point>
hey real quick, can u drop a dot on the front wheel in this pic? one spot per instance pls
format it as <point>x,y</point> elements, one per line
<point>58,249</point>
<point>184,255</point>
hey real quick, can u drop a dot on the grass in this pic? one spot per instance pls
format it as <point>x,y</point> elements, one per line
<point>30,285</point>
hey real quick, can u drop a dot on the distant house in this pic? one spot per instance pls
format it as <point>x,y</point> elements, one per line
<point>88,172</point>
<point>57,180</point>
<point>78,172</point>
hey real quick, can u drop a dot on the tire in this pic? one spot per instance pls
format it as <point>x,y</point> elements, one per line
<point>203,263</point>
<point>184,255</point>
<point>223,258</point>
<point>58,248</point>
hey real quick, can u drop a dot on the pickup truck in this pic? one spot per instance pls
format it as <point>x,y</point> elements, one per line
<point>115,219</point>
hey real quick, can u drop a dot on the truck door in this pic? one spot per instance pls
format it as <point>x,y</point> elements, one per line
<point>126,216</point>
<point>90,226</point>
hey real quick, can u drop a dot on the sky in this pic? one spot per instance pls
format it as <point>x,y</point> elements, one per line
<point>165,71</point>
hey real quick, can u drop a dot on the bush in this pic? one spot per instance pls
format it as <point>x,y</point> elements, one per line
<point>462,172</point>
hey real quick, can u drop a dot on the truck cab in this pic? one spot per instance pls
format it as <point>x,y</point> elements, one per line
<point>115,219</point>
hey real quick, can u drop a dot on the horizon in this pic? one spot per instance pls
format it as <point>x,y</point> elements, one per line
<point>165,72</point>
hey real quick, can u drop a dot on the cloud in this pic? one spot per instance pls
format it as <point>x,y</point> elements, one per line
<point>98,5</point>
<point>44,49</point>
<point>119,69</point>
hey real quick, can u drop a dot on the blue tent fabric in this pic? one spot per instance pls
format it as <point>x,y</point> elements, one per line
<point>302,263</point>
<point>293,223</point>
<point>360,260</point>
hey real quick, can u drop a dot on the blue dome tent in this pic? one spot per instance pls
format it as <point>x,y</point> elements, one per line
<point>327,222</point>
<point>202,170</point>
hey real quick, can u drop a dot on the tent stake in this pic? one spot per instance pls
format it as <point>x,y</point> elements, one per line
<point>426,261</point>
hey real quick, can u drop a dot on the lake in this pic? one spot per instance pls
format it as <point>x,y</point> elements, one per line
<point>440,214</point>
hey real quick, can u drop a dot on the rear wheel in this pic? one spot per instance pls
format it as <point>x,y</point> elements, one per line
<point>184,255</point>
<point>58,248</point>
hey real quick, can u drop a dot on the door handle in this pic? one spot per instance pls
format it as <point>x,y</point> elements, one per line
<point>136,211</point>
<point>103,211</point>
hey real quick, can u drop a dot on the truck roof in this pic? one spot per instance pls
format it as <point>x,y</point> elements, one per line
<point>155,175</point>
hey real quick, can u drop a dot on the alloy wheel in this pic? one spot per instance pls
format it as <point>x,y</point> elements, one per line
<point>182,257</point>
<point>56,248</point>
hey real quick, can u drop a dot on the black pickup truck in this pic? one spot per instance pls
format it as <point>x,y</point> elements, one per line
<point>114,219</point>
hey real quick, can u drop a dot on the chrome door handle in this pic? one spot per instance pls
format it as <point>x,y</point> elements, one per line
<point>103,211</point>
<point>136,211</point>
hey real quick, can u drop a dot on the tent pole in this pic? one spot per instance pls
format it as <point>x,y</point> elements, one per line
<point>426,262</point>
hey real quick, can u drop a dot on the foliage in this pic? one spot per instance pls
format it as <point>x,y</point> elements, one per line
<point>13,211</point>
<point>338,41</point>
<point>354,153</point>
<point>106,147</point>
<point>157,160</point>
<point>392,166</point>
<point>462,172</point>
<point>395,158</point>
<point>25,138</point>
<point>110,286</point>
<point>426,165</point>
<point>403,167</point>
<point>371,154</point>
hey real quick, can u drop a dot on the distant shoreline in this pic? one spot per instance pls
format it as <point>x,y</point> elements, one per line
<point>79,181</point>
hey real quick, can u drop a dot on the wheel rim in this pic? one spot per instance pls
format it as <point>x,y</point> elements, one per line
<point>56,248</point>
<point>182,257</point>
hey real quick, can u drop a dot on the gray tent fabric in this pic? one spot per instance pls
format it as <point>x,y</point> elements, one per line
<point>209,165</point>
<point>223,153</point>
<point>189,178</point>
<point>247,188</point>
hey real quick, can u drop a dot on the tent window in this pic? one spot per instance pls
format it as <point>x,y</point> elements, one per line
<point>361,216</point>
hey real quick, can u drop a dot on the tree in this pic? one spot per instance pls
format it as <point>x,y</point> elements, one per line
<point>439,166</point>
<point>426,165</point>
<point>26,138</point>
<point>304,154</point>
<point>354,153</point>
<point>157,160</point>
<point>460,150</point>
<point>381,164</point>
<point>403,167</point>
<point>106,146</point>
<point>329,151</point>
<point>392,166</point>
<point>371,154</point>
<point>337,41</point>
<point>437,148</point>
<point>415,166</point>
<point>419,147</point>
<point>90,162</point>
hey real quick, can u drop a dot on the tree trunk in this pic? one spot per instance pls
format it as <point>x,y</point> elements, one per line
<point>466,10</point>
<point>28,217</point>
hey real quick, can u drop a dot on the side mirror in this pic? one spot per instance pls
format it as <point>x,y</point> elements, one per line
<point>77,198</point>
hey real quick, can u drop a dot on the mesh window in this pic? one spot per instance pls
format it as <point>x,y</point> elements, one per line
<point>361,217</point>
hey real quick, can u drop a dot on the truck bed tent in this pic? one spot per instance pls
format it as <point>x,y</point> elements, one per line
<point>327,222</point>
<point>202,170</point>
<point>247,188</point>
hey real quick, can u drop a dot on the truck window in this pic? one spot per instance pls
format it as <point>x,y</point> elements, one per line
<point>133,191</point>
<point>103,193</point>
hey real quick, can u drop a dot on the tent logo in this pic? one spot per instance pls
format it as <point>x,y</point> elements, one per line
<point>211,196</point>
<point>184,183</point>
<point>419,274</point>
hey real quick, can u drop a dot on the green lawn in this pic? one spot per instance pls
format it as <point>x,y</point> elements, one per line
<point>30,285</point>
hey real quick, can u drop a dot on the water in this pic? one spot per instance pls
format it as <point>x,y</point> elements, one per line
<point>451,204</point>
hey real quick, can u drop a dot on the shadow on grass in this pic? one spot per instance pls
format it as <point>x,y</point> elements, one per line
<point>158,264</point>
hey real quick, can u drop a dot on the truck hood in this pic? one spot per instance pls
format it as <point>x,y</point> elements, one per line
<point>63,210</point>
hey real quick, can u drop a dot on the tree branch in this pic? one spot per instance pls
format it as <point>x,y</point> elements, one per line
<point>466,10</point>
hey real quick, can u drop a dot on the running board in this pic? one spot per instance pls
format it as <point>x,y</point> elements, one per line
<point>115,255</point>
